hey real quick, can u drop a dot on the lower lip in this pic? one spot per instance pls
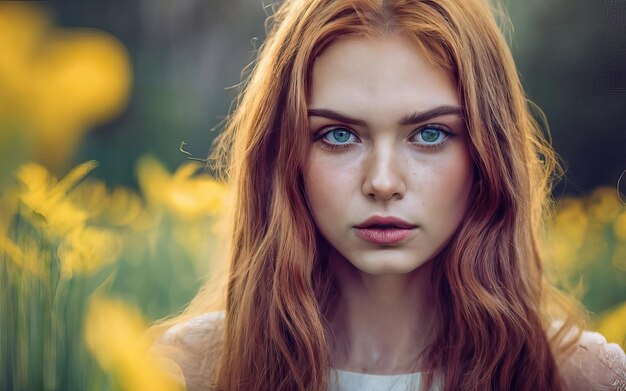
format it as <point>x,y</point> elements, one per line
<point>384,236</point>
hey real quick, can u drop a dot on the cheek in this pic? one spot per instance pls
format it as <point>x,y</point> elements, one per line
<point>450,185</point>
<point>326,178</point>
<point>318,185</point>
<point>328,184</point>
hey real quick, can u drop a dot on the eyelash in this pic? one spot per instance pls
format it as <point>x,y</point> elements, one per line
<point>335,147</point>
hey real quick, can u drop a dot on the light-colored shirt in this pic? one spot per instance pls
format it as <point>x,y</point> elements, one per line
<point>594,365</point>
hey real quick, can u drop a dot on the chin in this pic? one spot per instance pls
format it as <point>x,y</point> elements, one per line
<point>381,265</point>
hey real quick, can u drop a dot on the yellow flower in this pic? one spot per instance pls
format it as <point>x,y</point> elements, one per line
<point>124,207</point>
<point>595,247</point>
<point>86,250</point>
<point>571,220</point>
<point>22,26</point>
<point>119,207</point>
<point>57,83</point>
<point>91,195</point>
<point>154,181</point>
<point>613,325</point>
<point>182,194</point>
<point>83,79</point>
<point>566,235</point>
<point>47,200</point>
<point>114,333</point>
<point>604,204</point>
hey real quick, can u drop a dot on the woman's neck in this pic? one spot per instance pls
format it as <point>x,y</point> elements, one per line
<point>382,322</point>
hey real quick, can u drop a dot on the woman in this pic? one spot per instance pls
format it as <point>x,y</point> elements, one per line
<point>389,186</point>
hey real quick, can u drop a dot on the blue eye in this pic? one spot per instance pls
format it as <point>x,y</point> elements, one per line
<point>431,136</point>
<point>337,136</point>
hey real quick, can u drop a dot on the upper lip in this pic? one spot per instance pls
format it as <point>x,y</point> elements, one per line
<point>388,221</point>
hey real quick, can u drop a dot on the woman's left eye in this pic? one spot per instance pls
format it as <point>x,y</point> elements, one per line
<point>431,136</point>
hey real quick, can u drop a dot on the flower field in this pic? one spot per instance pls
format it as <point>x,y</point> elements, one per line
<point>86,266</point>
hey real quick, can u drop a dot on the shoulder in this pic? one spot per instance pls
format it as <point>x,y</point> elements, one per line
<point>197,330</point>
<point>593,364</point>
<point>191,347</point>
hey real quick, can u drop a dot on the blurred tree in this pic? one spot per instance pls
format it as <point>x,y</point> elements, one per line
<point>572,58</point>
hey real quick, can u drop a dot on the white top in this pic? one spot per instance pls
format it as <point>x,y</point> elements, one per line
<point>349,381</point>
<point>595,364</point>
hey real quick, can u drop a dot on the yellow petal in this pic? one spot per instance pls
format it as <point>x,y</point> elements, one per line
<point>124,207</point>
<point>604,204</point>
<point>91,195</point>
<point>75,175</point>
<point>186,171</point>
<point>84,79</point>
<point>52,210</point>
<point>22,27</point>
<point>86,250</point>
<point>154,180</point>
<point>35,177</point>
<point>114,334</point>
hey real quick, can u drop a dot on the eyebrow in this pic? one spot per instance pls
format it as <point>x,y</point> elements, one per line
<point>410,119</point>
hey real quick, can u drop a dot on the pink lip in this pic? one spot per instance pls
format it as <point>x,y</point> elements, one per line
<point>384,235</point>
<point>385,222</point>
<point>384,230</point>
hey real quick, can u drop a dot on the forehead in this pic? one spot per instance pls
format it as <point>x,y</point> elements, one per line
<point>374,75</point>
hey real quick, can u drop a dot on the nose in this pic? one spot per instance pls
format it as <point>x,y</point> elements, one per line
<point>384,178</point>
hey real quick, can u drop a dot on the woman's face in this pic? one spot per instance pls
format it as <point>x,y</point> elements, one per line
<point>387,140</point>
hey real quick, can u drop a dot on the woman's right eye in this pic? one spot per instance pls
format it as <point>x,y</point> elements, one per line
<point>338,136</point>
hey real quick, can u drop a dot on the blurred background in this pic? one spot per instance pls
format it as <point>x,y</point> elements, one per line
<point>108,223</point>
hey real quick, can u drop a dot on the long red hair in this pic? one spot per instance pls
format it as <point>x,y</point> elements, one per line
<point>493,304</point>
